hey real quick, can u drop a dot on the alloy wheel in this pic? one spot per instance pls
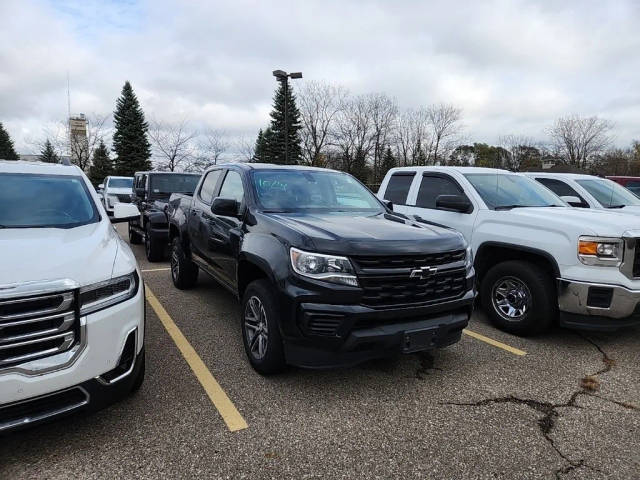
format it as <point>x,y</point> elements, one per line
<point>255,326</point>
<point>511,298</point>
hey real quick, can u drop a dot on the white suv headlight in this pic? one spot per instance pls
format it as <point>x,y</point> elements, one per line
<point>112,200</point>
<point>328,268</point>
<point>105,294</point>
<point>602,251</point>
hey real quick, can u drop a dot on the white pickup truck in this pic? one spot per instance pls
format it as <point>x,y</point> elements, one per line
<point>536,259</point>
<point>71,297</point>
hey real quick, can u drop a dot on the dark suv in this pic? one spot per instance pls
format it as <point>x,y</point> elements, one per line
<point>151,192</point>
<point>327,274</point>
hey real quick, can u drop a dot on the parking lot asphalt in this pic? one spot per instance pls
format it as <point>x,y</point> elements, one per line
<point>568,408</point>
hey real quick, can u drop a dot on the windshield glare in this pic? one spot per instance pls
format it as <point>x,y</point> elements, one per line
<point>174,183</point>
<point>500,190</point>
<point>45,201</point>
<point>121,182</point>
<point>608,193</point>
<point>299,190</point>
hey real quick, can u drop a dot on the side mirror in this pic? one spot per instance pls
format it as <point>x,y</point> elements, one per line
<point>140,192</point>
<point>454,203</point>
<point>101,186</point>
<point>124,212</point>
<point>388,204</point>
<point>227,207</point>
<point>571,200</point>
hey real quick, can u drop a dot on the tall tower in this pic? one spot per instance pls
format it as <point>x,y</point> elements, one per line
<point>78,141</point>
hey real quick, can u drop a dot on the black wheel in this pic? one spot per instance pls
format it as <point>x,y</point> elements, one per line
<point>137,383</point>
<point>260,330</point>
<point>519,297</point>
<point>134,237</point>
<point>153,248</point>
<point>184,272</point>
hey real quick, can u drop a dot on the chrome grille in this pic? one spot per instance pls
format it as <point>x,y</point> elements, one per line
<point>37,326</point>
<point>124,197</point>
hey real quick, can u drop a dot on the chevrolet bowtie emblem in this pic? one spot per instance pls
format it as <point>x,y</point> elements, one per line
<point>423,272</point>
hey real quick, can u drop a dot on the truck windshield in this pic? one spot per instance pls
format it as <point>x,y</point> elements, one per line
<point>306,190</point>
<point>174,183</point>
<point>608,193</point>
<point>45,201</point>
<point>503,191</point>
<point>121,182</point>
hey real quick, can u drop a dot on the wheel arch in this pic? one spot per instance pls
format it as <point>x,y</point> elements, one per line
<point>489,254</point>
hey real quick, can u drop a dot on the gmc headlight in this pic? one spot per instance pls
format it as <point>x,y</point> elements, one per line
<point>469,257</point>
<point>328,268</point>
<point>106,294</point>
<point>602,251</point>
<point>112,200</point>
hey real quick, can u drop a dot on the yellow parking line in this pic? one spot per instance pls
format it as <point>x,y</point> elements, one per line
<point>493,342</point>
<point>225,407</point>
<point>164,269</point>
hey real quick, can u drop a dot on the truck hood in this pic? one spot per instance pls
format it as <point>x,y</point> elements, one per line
<point>83,254</point>
<point>118,191</point>
<point>365,233</point>
<point>582,221</point>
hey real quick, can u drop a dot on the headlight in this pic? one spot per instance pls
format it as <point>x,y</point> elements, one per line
<point>601,251</point>
<point>112,200</point>
<point>469,257</point>
<point>329,268</point>
<point>105,294</point>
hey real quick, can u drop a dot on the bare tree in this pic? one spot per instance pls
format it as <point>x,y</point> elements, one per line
<point>172,144</point>
<point>211,147</point>
<point>353,136</point>
<point>521,149</point>
<point>246,148</point>
<point>578,138</point>
<point>319,104</point>
<point>444,121</point>
<point>383,112</point>
<point>413,137</point>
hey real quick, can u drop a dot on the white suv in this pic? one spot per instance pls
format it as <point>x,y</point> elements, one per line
<point>115,190</point>
<point>71,297</point>
<point>536,259</point>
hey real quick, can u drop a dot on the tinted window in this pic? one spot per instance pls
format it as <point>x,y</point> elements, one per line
<point>173,183</point>
<point>312,190</point>
<point>632,184</point>
<point>431,187</point>
<point>208,186</point>
<point>561,189</point>
<point>232,186</point>
<point>509,191</point>
<point>54,201</point>
<point>121,182</point>
<point>609,194</point>
<point>398,188</point>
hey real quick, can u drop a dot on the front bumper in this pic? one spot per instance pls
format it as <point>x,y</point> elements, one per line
<point>597,306</point>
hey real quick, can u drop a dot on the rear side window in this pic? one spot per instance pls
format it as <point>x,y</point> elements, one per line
<point>208,186</point>
<point>562,189</point>
<point>398,187</point>
<point>433,186</point>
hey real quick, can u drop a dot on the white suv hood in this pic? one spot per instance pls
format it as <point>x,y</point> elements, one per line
<point>582,221</point>
<point>83,254</point>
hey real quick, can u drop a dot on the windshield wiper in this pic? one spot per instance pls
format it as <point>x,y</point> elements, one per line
<point>508,207</point>
<point>277,211</point>
<point>616,206</point>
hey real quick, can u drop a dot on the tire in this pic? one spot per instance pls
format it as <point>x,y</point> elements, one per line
<point>184,272</point>
<point>137,383</point>
<point>134,237</point>
<point>519,297</point>
<point>260,329</point>
<point>153,248</point>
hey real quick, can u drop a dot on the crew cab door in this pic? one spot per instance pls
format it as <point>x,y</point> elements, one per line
<point>426,190</point>
<point>225,231</point>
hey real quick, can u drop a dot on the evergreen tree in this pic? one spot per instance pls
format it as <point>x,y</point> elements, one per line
<point>388,162</point>
<point>259,150</point>
<point>276,144</point>
<point>102,165</point>
<point>130,142</point>
<point>48,154</point>
<point>7,152</point>
<point>263,143</point>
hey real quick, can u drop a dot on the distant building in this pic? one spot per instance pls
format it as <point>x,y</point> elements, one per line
<point>78,141</point>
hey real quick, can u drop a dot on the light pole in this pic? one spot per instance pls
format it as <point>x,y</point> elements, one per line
<point>282,76</point>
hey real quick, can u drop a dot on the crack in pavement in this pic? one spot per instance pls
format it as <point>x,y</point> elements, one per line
<point>550,413</point>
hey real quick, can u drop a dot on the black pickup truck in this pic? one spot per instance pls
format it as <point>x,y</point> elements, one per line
<point>327,274</point>
<point>151,192</point>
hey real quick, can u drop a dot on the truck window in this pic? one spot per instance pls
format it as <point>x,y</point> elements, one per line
<point>398,187</point>
<point>208,186</point>
<point>432,186</point>
<point>608,193</point>
<point>120,182</point>
<point>561,189</point>
<point>232,187</point>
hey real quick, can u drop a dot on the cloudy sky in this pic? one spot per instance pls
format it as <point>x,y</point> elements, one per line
<point>513,66</point>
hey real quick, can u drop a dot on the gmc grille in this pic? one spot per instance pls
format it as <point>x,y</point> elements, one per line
<point>636,260</point>
<point>124,198</point>
<point>37,326</point>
